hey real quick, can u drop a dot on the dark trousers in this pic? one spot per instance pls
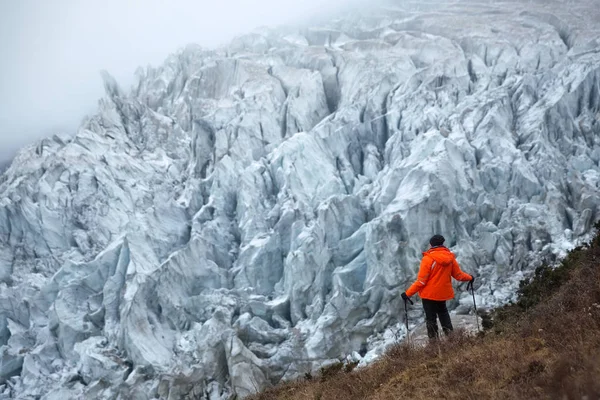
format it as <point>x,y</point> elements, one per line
<point>434,310</point>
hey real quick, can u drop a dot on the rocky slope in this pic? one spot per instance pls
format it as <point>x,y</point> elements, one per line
<point>246,214</point>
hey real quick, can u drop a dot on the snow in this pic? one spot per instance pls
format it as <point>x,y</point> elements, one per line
<point>247,214</point>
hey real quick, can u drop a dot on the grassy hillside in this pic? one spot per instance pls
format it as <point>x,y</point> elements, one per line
<point>545,346</point>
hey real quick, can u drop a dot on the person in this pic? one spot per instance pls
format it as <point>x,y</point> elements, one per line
<point>434,285</point>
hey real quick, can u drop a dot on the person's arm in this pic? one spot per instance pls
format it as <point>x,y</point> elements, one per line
<point>422,277</point>
<point>458,274</point>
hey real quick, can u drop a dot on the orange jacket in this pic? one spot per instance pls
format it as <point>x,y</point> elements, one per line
<point>433,282</point>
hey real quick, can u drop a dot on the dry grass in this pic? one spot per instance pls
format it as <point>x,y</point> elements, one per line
<point>546,346</point>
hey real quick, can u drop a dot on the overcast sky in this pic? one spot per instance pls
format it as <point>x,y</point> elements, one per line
<point>52,50</point>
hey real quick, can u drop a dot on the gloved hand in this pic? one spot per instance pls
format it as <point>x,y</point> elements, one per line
<point>405,297</point>
<point>470,284</point>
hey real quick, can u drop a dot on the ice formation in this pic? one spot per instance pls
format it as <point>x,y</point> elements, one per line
<point>247,214</point>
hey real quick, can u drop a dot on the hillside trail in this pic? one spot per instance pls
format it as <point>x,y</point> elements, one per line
<point>462,322</point>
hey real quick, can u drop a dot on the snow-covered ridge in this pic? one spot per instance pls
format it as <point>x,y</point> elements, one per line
<point>246,214</point>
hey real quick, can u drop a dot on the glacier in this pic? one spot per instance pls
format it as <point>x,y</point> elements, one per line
<point>246,214</point>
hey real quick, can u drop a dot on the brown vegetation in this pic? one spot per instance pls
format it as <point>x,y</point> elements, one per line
<point>545,346</point>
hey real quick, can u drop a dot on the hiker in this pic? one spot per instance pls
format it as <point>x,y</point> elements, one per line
<point>435,286</point>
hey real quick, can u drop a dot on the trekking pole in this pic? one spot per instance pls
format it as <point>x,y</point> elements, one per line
<point>406,316</point>
<point>470,285</point>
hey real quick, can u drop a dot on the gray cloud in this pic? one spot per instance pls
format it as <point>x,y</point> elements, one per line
<point>52,51</point>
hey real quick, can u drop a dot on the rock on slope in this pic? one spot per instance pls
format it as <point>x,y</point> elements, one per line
<point>247,214</point>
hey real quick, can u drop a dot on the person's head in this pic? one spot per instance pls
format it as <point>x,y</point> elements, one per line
<point>436,241</point>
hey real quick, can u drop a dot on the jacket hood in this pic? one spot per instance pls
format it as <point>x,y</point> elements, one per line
<point>440,255</point>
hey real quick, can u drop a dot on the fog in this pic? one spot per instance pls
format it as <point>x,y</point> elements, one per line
<point>52,51</point>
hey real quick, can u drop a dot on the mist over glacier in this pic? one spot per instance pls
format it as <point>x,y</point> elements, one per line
<point>246,214</point>
<point>54,51</point>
